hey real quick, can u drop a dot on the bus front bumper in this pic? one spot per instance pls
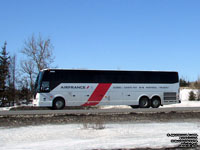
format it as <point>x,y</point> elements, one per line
<point>37,103</point>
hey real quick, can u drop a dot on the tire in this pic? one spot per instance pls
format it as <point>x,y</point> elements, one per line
<point>134,106</point>
<point>155,102</point>
<point>144,102</point>
<point>58,103</point>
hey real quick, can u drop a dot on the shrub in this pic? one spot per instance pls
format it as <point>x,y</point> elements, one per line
<point>192,96</point>
<point>97,125</point>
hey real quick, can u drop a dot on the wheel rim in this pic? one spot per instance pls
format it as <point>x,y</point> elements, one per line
<point>144,103</point>
<point>59,104</point>
<point>156,103</point>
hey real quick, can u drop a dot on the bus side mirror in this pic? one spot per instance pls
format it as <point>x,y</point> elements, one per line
<point>45,86</point>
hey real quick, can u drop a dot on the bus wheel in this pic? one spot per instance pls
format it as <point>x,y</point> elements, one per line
<point>144,102</point>
<point>58,103</point>
<point>155,102</point>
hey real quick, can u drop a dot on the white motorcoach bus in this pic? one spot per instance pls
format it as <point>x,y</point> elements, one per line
<point>58,88</point>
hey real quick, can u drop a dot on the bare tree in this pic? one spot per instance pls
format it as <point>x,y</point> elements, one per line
<point>39,55</point>
<point>28,67</point>
<point>39,51</point>
<point>24,93</point>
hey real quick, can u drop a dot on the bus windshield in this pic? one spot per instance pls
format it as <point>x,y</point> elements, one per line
<point>38,82</point>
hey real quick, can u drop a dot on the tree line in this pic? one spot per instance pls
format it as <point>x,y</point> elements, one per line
<point>17,83</point>
<point>187,84</point>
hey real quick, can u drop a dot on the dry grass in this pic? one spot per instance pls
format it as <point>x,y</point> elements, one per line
<point>97,125</point>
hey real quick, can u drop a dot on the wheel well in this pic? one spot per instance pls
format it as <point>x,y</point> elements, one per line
<point>143,97</point>
<point>156,97</point>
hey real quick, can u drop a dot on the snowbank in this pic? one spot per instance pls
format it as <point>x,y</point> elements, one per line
<point>184,103</point>
<point>184,93</point>
<point>5,108</point>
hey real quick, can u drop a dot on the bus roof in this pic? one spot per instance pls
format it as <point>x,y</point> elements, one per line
<point>63,69</point>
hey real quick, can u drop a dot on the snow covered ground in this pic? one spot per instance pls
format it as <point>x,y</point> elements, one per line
<point>184,103</point>
<point>5,108</point>
<point>74,136</point>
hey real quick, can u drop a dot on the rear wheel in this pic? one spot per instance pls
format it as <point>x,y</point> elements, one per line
<point>58,103</point>
<point>155,102</point>
<point>144,102</point>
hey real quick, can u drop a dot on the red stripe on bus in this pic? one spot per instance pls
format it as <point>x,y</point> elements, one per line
<point>98,94</point>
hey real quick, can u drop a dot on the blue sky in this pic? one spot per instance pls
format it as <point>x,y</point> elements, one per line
<point>109,34</point>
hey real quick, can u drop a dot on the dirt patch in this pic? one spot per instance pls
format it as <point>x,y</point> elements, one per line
<point>24,120</point>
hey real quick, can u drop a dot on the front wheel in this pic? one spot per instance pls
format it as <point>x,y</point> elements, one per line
<point>58,103</point>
